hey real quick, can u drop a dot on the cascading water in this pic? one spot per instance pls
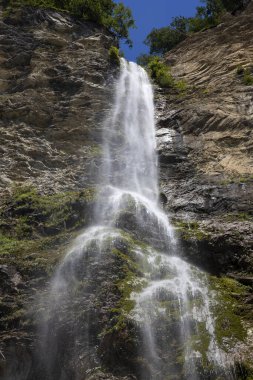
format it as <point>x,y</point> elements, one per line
<point>173,307</point>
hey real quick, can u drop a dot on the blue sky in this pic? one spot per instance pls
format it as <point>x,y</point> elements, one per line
<point>149,14</point>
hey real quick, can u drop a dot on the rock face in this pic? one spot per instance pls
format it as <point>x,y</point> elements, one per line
<point>205,134</point>
<point>55,88</point>
<point>205,140</point>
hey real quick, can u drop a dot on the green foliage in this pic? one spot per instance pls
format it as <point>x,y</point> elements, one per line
<point>144,59</point>
<point>209,15</point>
<point>228,322</point>
<point>27,214</point>
<point>164,39</point>
<point>115,17</point>
<point>248,77</point>
<point>161,74</point>
<point>120,21</point>
<point>114,55</point>
<point>191,230</point>
<point>245,74</point>
<point>238,216</point>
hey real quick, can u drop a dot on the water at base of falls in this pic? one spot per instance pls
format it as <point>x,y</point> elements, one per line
<point>172,306</point>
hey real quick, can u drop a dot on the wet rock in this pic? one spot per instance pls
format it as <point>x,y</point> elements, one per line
<point>55,91</point>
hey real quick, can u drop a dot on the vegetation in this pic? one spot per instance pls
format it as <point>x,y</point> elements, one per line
<point>209,15</point>
<point>115,17</point>
<point>114,55</point>
<point>162,75</point>
<point>28,214</point>
<point>191,230</point>
<point>245,74</point>
<point>229,310</point>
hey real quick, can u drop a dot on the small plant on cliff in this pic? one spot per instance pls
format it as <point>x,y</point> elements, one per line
<point>161,73</point>
<point>246,75</point>
<point>114,55</point>
<point>115,17</point>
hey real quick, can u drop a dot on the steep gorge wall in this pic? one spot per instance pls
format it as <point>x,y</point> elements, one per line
<point>205,138</point>
<point>56,87</point>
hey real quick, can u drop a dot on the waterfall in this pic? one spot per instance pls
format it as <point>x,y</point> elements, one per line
<point>172,309</point>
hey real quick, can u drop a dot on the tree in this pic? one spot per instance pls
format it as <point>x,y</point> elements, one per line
<point>120,21</point>
<point>115,17</point>
<point>164,39</point>
<point>209,15</point>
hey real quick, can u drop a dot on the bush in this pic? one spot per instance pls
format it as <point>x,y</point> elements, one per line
<point>164,39</point>
<point>115,17</point>
<point>114,55</point>
<point>160,72</point>
<point>248,77</point>
<point>162,75</point>
<point>246,74</point>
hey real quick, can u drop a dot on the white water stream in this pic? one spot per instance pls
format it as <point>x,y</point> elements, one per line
<point>174,309</point>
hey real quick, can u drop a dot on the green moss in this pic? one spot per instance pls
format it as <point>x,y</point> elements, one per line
<point>229,328</point>
<point>244,370</point>
<point>248,78</point>
<point>129,282</point>
<point>237,180</point>
<point>36,257</point>
<point>238,216</point>
<point>95,150</point>
<point>191,230</point>
<point>200,342</point>
<point>28,214</point>
<point>35,228</point>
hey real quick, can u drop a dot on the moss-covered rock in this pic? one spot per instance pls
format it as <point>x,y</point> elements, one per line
<point>35,231</point>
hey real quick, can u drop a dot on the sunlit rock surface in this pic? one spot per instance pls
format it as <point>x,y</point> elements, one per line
<point>55,88</point>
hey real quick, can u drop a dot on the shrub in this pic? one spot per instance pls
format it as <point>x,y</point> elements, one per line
<point>114,55</point>
<point>161,73</point>
<point>246,75</point>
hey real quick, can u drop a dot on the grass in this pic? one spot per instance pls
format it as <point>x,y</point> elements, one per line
<point>245,74</point>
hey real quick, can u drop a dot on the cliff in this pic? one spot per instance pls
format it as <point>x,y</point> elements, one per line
<point>205,138</point>
<point>56,88</point>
